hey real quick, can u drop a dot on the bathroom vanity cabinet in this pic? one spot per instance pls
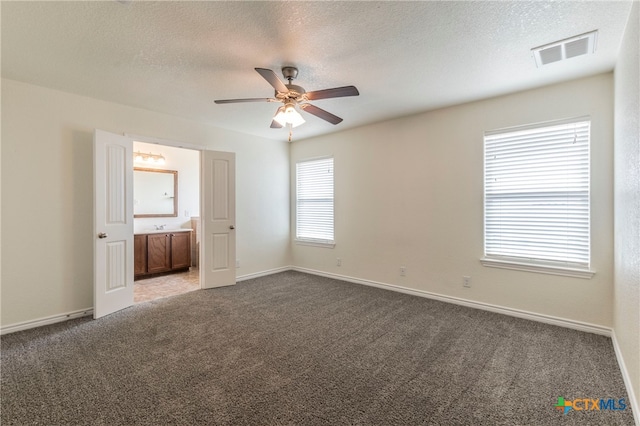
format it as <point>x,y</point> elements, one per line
<point>161,252</point>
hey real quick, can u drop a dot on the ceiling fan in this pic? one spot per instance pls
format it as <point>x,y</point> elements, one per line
<point>293,96</point>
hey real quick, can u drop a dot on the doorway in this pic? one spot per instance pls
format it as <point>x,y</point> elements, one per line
<point>114,261</point>
<point>160,212</point>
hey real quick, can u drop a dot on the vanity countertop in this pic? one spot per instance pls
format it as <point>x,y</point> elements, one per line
<point>163,231</point>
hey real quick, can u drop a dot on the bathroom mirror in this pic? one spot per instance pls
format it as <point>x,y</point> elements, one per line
<point>155,193</point>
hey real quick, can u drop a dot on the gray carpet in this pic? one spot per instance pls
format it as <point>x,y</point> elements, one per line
<point>296,349</point>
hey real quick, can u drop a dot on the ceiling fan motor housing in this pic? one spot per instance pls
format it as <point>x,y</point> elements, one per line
<point>290,73</point>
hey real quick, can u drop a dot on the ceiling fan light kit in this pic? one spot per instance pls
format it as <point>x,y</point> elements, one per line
<point>288,115</point>
<point>293,96</point>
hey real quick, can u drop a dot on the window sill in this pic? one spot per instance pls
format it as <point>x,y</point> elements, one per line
<point>539,268</point>
<point>316,243</point>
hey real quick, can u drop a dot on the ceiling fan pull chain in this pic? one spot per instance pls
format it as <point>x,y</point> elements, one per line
<point>290,132</point>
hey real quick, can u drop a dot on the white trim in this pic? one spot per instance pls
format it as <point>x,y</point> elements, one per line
<point>635,408</point>
<point>537,268</point>
<point>167,142</point>
<point>320,157</point>
<point>569,120</point>
<point>263,273</point>
<point>315,243</point>
<point>518,313</point>
<point>25,325</point>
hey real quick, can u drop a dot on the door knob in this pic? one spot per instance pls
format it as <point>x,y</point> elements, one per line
<point>232,227</point>
<point>102,235</point>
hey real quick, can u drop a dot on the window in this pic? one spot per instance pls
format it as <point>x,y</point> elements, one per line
<point>314,201</point>
<point>536,198</point>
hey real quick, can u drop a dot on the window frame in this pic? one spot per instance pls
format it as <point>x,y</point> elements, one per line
<point>310,241</point>
<point>532,264</point>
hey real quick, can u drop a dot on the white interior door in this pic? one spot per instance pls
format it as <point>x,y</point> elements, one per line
<point>113,223</point>
<point>218,263</point>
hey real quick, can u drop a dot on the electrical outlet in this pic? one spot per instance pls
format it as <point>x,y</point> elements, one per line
<point>403,271</point>
<point>237,263</point>
<point>466,281</point>
<point>186,213</point>
<point>338,262</point>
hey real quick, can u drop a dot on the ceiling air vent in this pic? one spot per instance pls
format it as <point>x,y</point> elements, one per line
<point>564,49</point>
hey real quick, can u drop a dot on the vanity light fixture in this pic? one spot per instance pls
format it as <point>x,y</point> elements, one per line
<point>150,158</point>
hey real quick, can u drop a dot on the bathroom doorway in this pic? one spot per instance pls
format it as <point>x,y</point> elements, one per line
<point>166,220</point>
<point>145,290</point>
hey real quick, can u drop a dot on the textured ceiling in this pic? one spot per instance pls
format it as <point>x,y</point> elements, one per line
<point>404,57</point>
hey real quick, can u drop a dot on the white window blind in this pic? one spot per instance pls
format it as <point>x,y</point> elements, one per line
<point>537,194</point>
<point>314,200</point>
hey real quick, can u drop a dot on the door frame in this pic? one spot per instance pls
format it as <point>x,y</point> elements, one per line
<point>176,144</point>
<point>129,140</point>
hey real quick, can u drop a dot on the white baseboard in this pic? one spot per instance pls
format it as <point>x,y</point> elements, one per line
<point>562,322</point>
<point>635,407</point>
<point>263,273</point>
<point>547,319</point>
<point>25,325</point>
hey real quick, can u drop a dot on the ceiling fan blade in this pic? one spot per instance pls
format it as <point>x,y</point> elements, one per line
<point>273,79</point>
<point>275,125</point>
<point>235,101</point>
<point>319,112</point>
<point>337,92</point>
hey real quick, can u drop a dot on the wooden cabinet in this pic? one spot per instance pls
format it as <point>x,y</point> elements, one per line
<point>158,253</point>
<point>180,250</point>
<point>139,254</point>
<point>161,252</point>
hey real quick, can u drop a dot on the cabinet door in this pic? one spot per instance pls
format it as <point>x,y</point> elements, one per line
<point>180,250</point>
<point>158,253</point>
<point>139,254</point>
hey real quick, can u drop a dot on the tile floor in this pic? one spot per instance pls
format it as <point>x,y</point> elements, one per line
<point>166,285</point>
